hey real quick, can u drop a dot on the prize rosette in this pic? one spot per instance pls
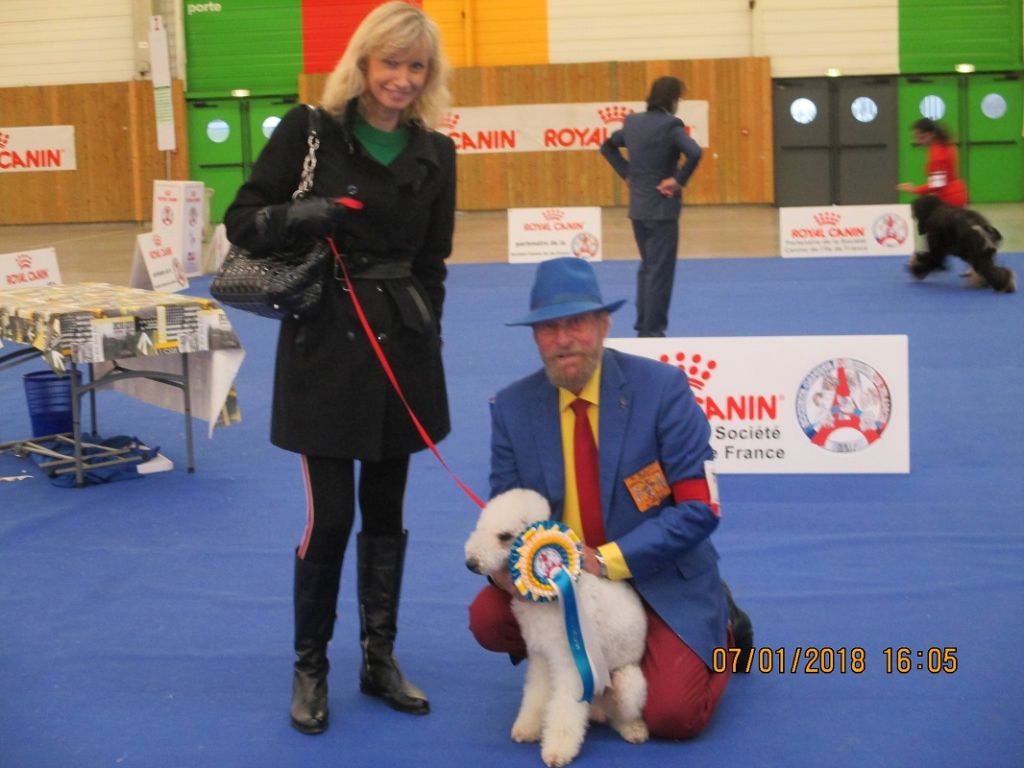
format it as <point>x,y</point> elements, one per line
<point>545,562</point>
<point>538,553</point>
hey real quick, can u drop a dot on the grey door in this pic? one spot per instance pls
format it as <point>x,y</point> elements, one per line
<point>866,150</point>
<point>835,141</point>
<point>801,123</point>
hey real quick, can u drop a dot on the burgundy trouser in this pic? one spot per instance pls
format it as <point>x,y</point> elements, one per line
<point>682,693</point>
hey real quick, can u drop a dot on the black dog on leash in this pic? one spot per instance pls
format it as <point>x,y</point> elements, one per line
<point>952,231</point>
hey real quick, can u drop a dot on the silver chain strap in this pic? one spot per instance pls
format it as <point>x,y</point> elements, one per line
<point>309,163</point>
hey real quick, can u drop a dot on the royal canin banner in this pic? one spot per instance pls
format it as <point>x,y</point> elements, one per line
<point>29,268</point>
<point>846,230</point>
<point>796,404</point>
<point>554,127</point>
<point>37,148</point>
<point>539,234</point>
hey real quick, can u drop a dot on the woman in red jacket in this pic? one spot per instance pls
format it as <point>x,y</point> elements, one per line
<point>941,167</point>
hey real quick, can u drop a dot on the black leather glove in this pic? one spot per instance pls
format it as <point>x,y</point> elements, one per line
<point>315,216</point>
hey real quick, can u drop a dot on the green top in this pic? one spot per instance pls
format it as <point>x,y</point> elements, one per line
<point>383,146</point>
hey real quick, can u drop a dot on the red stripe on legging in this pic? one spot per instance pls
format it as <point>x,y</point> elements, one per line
<point>308,533</point>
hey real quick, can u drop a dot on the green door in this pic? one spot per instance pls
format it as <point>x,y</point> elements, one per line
<point>995,149</point>
<point>225,138</point>
<point>217,140</point>
<point>264,115</point>
<point>933,96</point>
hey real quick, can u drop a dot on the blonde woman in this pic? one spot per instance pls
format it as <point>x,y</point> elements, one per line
<point>333,405</point>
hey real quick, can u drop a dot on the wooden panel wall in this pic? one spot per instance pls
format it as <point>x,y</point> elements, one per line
<point>737,167</point>
<point>115,149</point>
<point>118,160</point>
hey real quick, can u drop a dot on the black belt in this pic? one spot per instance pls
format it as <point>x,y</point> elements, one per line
<point>377,270</point>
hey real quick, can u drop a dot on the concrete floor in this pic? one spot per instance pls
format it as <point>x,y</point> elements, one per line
<point>103,252</point>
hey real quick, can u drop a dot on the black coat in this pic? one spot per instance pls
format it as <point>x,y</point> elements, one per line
<point>331,395</point>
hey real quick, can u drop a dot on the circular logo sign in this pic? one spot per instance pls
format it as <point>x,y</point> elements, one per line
<point>890,230</point>
<point>843,405</point>
<point>585,245</point>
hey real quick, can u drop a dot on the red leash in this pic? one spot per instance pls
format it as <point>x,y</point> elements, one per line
<point>391,374</point>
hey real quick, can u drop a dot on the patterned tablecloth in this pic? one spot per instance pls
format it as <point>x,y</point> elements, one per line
<point>143,330</point>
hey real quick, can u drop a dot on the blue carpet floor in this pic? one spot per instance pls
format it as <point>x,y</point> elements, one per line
<point>148,622</point>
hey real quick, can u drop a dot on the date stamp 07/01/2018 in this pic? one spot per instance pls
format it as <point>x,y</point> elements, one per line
<point>825,660</point>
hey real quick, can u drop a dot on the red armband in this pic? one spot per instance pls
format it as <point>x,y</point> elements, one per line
<point>703,489</point>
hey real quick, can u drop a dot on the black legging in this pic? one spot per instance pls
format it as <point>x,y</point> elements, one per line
<point>330,503</point>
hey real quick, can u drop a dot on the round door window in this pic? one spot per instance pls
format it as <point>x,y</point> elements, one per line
<point>933,107</point>
<point>993,106</point>
<point>218,131</point>
<point>864,109</point>
<point>270,124</point>
<point>803,111</point>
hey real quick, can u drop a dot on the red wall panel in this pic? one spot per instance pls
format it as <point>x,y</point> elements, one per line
<point>327,26</point>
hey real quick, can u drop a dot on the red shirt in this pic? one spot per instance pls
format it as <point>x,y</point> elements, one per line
<point>943,180</point>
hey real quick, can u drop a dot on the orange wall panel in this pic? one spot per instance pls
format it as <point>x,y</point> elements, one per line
<point>492,34</point>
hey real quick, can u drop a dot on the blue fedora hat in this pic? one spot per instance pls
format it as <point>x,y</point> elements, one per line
<point>564,287</point>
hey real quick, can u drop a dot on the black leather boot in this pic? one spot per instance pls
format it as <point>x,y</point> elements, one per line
<point>315,599</point>
<point>380,580</point>
<point>742,630</point>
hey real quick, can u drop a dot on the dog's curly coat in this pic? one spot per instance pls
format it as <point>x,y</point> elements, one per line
<point>551,711</point>
<point>952,231</point>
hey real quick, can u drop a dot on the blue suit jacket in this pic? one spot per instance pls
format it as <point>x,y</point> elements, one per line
<point>655,140</point>
<point>647,414</point>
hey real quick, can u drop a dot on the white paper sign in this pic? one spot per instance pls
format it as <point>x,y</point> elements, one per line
<point>37,148</point>
<point>24,268</point>
<point>178,218</point>
<point>538,234</point>
<point>797,404</point>
<point>156,266</point>
<point>846,230</point>
<point>160,69</point>
<point>554,127</point>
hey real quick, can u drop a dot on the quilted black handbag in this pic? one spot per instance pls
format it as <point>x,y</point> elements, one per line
<point>275,284</point>
<point>278,283</point>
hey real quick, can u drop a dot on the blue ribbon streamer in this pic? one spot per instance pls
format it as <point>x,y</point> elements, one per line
<point>567,597</point>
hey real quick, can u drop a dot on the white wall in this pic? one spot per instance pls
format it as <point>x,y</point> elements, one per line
<point>633,30</point>
<point>802,37</point>
<point>51,42</point>
<point>63,42</point>
<point>807,37</point>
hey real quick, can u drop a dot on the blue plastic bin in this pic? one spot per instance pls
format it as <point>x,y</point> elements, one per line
<point>49,402</point>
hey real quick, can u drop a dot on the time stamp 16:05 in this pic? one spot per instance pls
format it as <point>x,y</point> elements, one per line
<point>824,660</point>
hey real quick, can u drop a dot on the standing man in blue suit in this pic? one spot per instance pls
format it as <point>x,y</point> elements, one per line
<point>657,496</point>
<point>655,140</point>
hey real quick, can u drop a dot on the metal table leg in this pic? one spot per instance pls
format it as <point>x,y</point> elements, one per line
<point>76,425</point>
<point>92,399</point>
<point>186,392</point>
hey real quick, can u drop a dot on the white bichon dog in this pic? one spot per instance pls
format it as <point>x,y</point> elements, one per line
<point>551,711</point>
